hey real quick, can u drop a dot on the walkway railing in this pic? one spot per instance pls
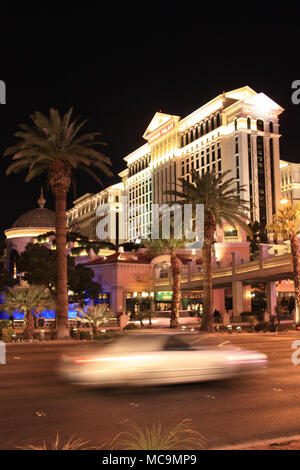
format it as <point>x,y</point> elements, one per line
<point>280,265</point>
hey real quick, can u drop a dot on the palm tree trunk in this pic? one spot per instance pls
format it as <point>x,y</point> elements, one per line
<point>61,266</point>
<point>207,318</point>
<point>295,257</point>
<point>28,325</point>
<point>94,329</point>
<point>209,234</point>
<point>176,275</point>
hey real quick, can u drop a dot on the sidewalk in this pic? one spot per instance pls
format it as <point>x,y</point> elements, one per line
<point>280,443</point>
<point>45,341</point>
<point>188,327</point>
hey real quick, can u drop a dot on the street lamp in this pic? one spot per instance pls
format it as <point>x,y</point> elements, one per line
<point>284,201</point>
<point>288,200</point>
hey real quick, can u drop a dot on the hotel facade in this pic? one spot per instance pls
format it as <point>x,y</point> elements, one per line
<point>236,131</point>
<point>290,182</point>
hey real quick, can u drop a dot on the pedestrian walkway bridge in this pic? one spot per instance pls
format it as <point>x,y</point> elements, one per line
<point>272,268</point>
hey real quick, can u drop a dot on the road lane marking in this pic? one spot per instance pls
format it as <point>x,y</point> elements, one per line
<point>222,344</point>
<point>200,339</point>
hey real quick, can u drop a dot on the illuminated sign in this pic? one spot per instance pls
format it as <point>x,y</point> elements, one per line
<point>164,130</point>
<point>165,296</point>
<point>256,110</point>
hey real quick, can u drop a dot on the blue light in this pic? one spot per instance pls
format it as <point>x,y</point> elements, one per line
<point>47,314</point>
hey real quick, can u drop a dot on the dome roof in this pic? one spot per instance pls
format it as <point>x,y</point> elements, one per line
<point>39,217</point>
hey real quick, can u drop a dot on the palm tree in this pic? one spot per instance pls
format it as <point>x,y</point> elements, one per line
<point>28,300</point>
<point>97,315</point>
<point>286,226</point>
<point>259,235</point>
<point>52,145</point>
<point>221,202</point>
<point>170,247</point>
<point>146,314</point>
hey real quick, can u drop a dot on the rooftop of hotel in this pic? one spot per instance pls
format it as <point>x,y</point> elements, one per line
<point>137,257</point>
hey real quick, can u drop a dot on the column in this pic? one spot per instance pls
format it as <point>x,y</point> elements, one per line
<point>247,298</point>
<point>237,297</point>
<point>219,300</point>
<point>235,260</point>
<point>263,253</point>
<point>154,186</point>
<point>117,299</point>
<point>271,297</point>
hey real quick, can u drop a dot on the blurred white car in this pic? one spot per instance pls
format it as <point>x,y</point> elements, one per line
<point>157,359</point>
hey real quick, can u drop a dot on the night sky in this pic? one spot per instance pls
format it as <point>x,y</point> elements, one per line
<point>118,67</point>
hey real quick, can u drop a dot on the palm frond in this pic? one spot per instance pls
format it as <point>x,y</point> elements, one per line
<point>55,138</point>
<point>34,297</point>
<point>97,314</point>
<point>286,222</point>
<point>219,196</point>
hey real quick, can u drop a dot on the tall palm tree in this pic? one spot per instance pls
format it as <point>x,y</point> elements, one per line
<point>222,203</point>
<point>170,247</point>
<point>286,226</point>
<point>52,145</point>
<point>28,300</point>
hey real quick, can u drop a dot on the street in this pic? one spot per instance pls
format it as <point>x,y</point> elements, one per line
<point>36,404</point>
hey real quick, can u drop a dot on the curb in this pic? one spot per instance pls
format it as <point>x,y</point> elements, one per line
<point>264,442</point>
<point>280,335</point>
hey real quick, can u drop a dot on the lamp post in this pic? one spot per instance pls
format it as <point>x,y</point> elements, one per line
<point>191,260</point>
<point>285,200</point>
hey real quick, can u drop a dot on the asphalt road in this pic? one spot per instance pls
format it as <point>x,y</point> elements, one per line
<point>35,404</point>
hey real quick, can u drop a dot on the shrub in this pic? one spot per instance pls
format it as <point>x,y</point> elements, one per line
<point>19,337</point>
<point>257,313</point>
<point>131,326</point>
<point>74,443</point>
<point>85,335</point>
<point>75,334</point>
<point>7,334</point>
<point>272,328</point>
<point>4,324</point>
<point>250,318</point>
<point>261,326</point>
<point>181,436</point>
<point>106,335</point>
<point>50,335</point>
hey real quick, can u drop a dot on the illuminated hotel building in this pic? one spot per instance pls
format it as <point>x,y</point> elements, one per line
<point>237,131</point>
<point>290,181</point>
<point>83,218</point>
